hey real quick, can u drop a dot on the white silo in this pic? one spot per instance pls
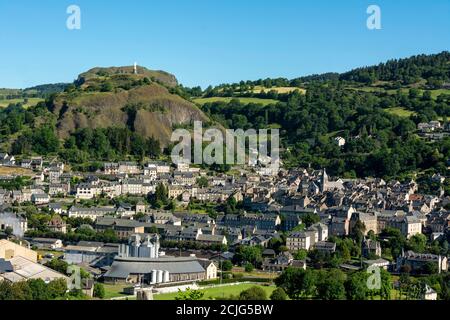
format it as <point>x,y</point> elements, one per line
<point>166,276</point>
<point>154,276</point>
<point>160,276</point>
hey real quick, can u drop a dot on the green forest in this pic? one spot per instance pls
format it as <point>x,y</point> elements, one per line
<point>380,142</point>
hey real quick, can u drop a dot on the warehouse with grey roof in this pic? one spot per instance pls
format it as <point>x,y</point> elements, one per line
<point>164,269</point>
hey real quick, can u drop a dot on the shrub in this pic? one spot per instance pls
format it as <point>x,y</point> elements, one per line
<point>278,294</point>
<point>227,265</point>
<point>249,267</point>
<point>253,293</point>
<point>99,291</point>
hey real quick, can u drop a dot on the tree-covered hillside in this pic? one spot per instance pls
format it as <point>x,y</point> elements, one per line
<point>434,69</point>
<point>378,122</point>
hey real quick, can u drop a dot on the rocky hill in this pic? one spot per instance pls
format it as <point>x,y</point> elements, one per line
<point>117,73</point>
<point>117,97</point>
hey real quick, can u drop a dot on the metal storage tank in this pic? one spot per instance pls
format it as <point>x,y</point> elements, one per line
<point>154,276</point>
<point>166,276</point>
<point>160,276</point>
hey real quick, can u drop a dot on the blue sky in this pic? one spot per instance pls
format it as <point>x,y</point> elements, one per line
<point>207,42</point>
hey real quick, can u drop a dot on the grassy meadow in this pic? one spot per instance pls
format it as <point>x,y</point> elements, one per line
<point>31,102</point>
<point>218,292</point>
<point>202,101</point>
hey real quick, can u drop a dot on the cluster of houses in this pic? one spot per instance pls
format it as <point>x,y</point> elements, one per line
<point>128,178</point>
<point>433,130</point>
<point>6,159</point>
<point>274,204</point>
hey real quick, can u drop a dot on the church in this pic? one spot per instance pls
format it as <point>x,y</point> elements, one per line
<point>327,185</point>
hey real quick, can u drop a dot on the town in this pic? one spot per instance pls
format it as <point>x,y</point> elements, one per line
<point>154,229</point>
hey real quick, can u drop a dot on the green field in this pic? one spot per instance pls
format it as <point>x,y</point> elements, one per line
<point>265,102</point>
<point>437,93</point>
<point>259,89</point>
<point>401,112</point>
<point>115,290</point>
<point>31,102</point>
<point>218,292</point>
<point>255,273</point>
<point>434,93</point>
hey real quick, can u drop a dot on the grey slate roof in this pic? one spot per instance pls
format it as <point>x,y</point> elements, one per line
<point>5,266</point>
<point>123,267</point>
<point>118,222</point>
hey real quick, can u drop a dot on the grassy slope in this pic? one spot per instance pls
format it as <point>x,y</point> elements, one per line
<point>246,100</point>
<point>115,290</point>
<point>218,292</point>
<point>259,89</point>
<point>15,171</point>
<point>99,74</point>
<point>401,112</point>
<point>31,102</point>
<point>434,93</point>
<point>202,101</point>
